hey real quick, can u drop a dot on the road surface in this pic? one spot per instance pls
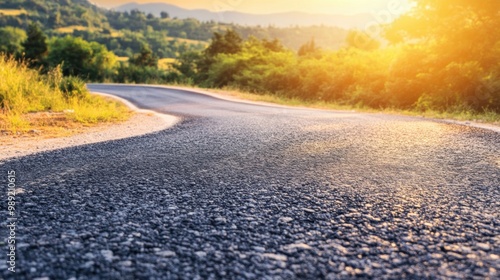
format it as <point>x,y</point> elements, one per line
<point>242,191</point>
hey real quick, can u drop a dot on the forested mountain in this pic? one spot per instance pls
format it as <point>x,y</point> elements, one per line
<point>277,19</point>
<point>125,32</point>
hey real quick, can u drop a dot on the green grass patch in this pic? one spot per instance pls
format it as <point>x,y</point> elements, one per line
<point>24,92</point>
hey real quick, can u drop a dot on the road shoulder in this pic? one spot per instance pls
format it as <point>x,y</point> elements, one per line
<point>219,95</point>
<point>141,123</point>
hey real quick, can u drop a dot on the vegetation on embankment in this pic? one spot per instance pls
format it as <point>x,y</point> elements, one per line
<point>51,103</point>
<point>430,64</point>
<point>457,113</point>
<point>125,33</point>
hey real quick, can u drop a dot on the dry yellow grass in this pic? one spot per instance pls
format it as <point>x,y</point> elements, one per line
<point>12,12</point>
<point>116,34</point>
<point>43,125</point>
<point>163,63</point>
<point>70,29</point>
<point>50,124</point>
<point>188,41</point>
<point>34,102</point>
<point>166,63</point>
<point>460,115</point>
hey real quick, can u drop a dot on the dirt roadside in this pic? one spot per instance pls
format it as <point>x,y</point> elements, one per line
<point>141,123</point>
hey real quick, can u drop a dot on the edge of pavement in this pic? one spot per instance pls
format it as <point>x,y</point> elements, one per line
<point>486,126</point>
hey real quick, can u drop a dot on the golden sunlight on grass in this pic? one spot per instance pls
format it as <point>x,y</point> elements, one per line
<point>9,12</point>
<point>122,58</point>
<point>116,34</point>
<point>32,102</point>
<point>188,41</point>
<point>60,124</point>
<point>166,63</point>
<point>70,29</point>
<point>41,125</point>
<point>453,114</point>
<point>163,63</point>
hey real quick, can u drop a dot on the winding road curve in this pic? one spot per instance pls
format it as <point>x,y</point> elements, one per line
<point>243,191</point>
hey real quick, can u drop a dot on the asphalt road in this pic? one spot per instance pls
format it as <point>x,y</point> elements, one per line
<point>240,191</point>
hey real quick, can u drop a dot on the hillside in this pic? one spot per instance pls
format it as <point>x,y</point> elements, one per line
<point>277,20</point>
<point>125,32</point>
<point>122,33</point>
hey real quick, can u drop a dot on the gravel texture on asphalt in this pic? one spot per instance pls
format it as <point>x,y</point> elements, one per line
<point>240,191</point>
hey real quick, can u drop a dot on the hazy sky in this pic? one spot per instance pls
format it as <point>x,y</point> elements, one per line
<point>273,6</point>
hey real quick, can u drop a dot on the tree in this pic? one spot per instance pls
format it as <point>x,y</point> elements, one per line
<point>11,40</point>
<point>81,58</point>
<point>274,45</point>
<point>164,15</point>
<point>54,20</point>
<point>228,43</point>
<point>433,19</point>
<point>308,48</point>
<point>35,46</point>
<point>459,40</point>
<point>145,58</point>
<point>73,53</point>
<point>187,64</point>
<point>459,30</point>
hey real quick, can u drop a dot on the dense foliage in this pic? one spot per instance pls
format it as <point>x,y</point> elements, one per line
<point>78,57</point>
<point>124,33</point>
<point>24,90</point>
<point>443,56</point>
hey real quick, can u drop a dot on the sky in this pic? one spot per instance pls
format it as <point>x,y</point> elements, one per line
<point>276,6</point>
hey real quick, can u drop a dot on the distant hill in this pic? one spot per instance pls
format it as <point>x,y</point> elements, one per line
<point>278,20</point>
<point>125,33</point>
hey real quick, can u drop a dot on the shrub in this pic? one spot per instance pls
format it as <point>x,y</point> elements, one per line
<point>24,90</point>
<point>73,87</point>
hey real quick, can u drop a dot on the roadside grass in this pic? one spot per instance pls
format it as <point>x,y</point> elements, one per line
<point>52,104</point>
<point>460,114</point>
<point>12,12</point>
<point>287,101</point>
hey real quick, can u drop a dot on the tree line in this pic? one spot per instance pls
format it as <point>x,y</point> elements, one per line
<point>77,57</point>
<point>431,62</point>
<point>124,33</point>
<point>440,56</point>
